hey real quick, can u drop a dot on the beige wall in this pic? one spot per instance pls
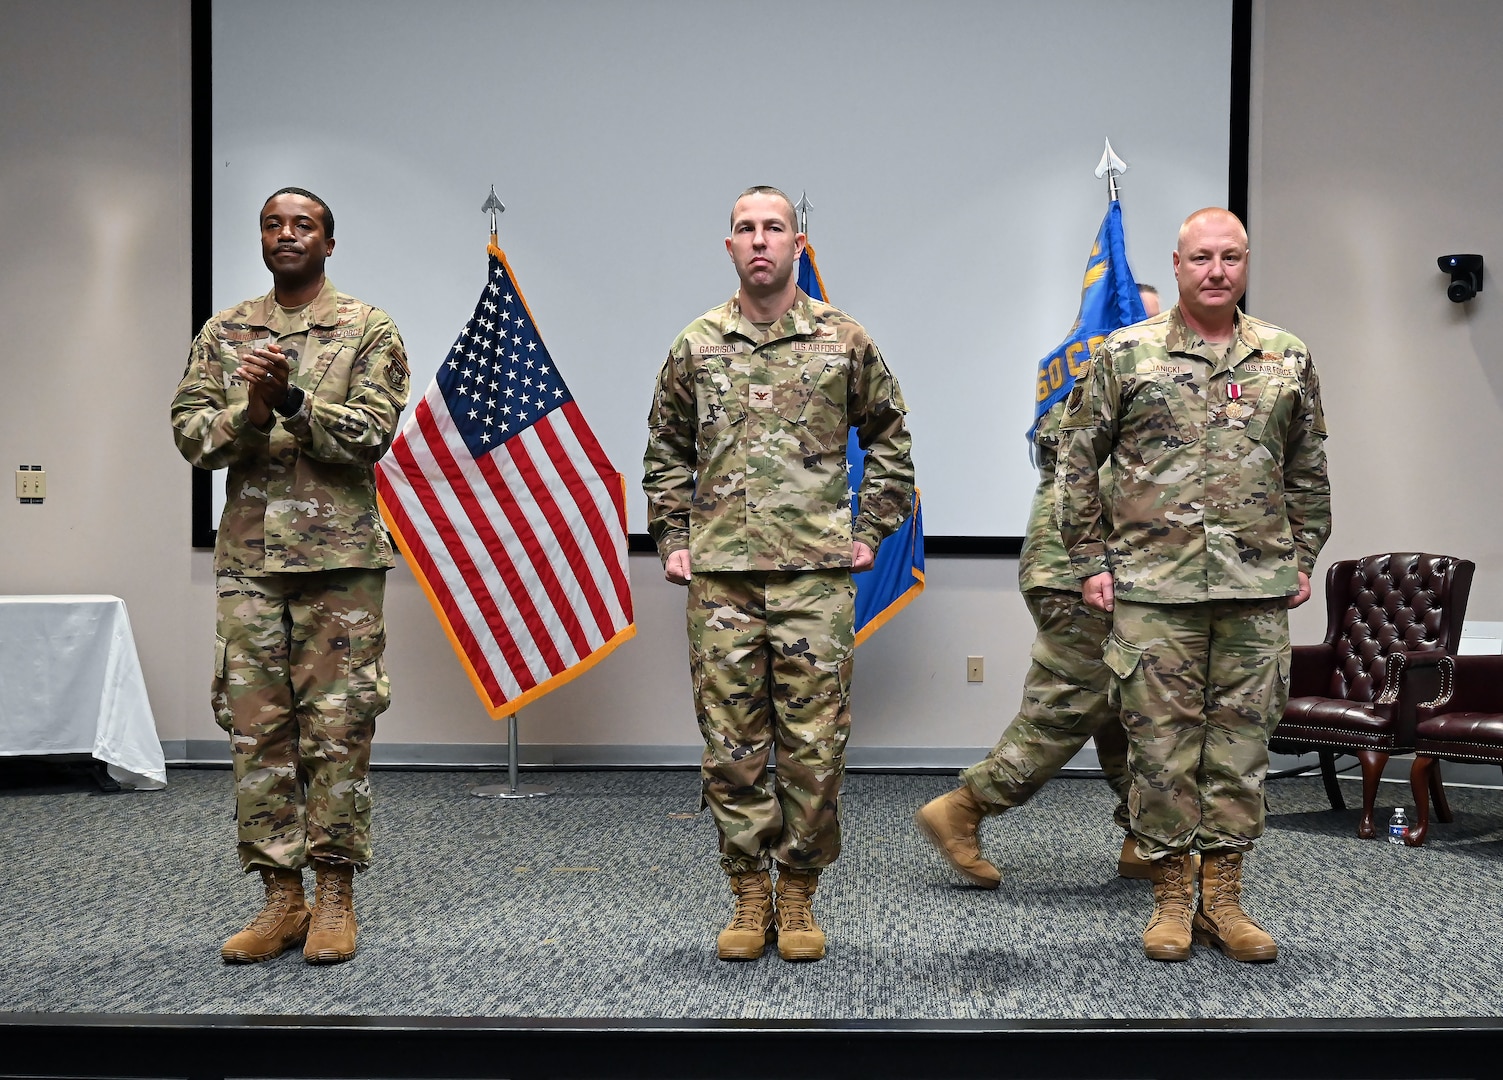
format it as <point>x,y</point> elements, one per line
<point>94,315</point>
<point>1354,118</point>
<point>1372,156</point>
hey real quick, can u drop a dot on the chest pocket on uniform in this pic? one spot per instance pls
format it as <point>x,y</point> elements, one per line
<point>327,366</point>
<point>1268,399</point>
<point>716,402</point>
<point>1154,421</point>
<point>822,412</point>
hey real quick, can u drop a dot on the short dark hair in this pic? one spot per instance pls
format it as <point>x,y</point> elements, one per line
<point>1149,289</point>
<point>768,189</point>
<point>305,193</point>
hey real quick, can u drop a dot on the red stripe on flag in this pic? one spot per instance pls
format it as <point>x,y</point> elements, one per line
<point>516,589</point>
<point>459,622</point>
<point>607,543</point>
<point>453,551</point>
<point>424,567</point>
<point>563,535</point>
<point>547,581</point>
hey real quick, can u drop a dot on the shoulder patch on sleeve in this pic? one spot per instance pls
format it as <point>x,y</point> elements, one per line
<point>1076,399</point>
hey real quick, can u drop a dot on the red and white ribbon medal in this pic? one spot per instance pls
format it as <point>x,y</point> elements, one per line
<point>1234,408</point>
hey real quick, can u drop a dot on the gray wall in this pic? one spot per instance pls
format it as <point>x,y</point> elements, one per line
<point>1353,113</point>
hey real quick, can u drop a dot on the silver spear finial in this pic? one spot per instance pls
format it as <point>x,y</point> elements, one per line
<point>494,207</point>
<point>803,206</point>
<point>1111,167</point>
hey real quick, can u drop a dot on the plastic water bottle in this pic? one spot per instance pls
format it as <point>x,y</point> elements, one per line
<point>1398,827</point>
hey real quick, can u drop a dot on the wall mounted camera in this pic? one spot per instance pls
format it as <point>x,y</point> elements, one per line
<point>1466,276</point>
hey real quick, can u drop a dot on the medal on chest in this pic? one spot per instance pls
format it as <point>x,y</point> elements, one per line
<point>1235,410</point>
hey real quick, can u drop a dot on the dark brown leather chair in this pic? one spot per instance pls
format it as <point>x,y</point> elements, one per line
<point>1463,723</point>
<point>1389,621</point>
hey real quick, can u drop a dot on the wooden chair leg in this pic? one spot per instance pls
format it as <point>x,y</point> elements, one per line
<point>1420,774</point>
<point>1372,768</point>
<point>1438,794</point>
<point>1328,775</point>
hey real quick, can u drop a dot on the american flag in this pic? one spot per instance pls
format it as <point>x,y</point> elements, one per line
<point>508,510</point>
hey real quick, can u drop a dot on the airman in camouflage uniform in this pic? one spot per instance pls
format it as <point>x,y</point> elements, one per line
<point>1213,424</point>
<point>748,504</point>
<point>298,394</point>
<point>1067,693</point>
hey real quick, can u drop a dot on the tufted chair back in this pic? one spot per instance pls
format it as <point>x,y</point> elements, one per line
<point>1390,620</point>
<point>1383,604</point>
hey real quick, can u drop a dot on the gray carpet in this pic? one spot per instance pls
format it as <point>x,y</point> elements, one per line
<point>604,901</point>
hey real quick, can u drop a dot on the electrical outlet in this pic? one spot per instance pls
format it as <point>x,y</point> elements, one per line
<point>973,669</point>
<point>31,483</point>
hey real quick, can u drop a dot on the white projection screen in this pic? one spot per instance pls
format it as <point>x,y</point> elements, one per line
<point>948,150</point>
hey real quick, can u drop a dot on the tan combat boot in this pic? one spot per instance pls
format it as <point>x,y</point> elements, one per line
<point>799,936</point>
<point>1132,865</point>
<point>750,929</point>
<point>331,936</point>
<point>1221,921</point>
<point>952,823</point>
<point>1167,935</point>
<point>282,920</point>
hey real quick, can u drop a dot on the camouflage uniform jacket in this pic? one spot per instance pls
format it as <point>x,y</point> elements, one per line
<point>745,462</point>
<point>1044,563</point>
<point>1219,464</point>
<point>301,494</point>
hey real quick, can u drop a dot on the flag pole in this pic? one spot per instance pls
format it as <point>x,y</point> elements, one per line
<point>494,207</point>
<point>511,790</point>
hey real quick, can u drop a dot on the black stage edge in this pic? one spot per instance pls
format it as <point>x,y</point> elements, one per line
<point>273,1046</point>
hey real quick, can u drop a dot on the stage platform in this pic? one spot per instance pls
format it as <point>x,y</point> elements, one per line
<point>573,935</point>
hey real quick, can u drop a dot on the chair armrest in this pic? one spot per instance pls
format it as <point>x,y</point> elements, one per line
<point>1310,668</point>
<point>1410,678</point>
<point>1468,684</point>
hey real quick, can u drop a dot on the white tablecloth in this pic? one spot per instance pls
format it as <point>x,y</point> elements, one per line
<point>70,683</point>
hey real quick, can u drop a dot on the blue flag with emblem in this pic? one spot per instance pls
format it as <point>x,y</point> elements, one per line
<point>1108,300</point>
<point>897,576</point>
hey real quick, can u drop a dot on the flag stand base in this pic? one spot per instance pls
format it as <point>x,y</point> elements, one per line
<point>511,790</point>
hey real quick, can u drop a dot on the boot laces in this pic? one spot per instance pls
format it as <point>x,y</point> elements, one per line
<point>1171,898</point>
<point>1226,893</point>
<point>278,904</point>
<point>794,906</point>
<point>332,901</point>
<point>750,899</point>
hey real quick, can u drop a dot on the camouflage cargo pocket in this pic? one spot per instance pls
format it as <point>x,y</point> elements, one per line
<point>368,688</point>
<point>1123,659</point>
<point>219,685</point>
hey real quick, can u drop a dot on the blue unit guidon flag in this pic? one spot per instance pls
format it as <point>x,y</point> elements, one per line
<point>897,576</point>
<point>507,509</point>
<point>1109,300</point>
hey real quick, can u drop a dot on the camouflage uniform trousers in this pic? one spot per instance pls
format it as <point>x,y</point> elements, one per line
<point>298,684</point>
<point>771,655</point>
<point>1202,687</point>
<point>1068,696</point>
